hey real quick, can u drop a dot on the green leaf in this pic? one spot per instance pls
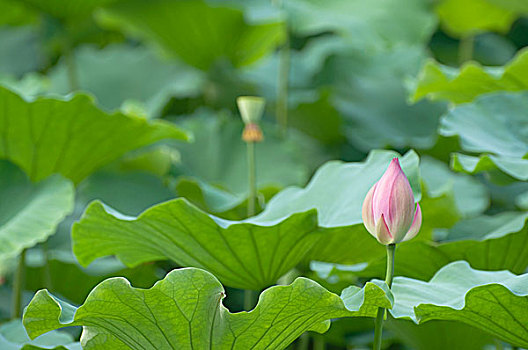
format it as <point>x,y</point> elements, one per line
<point>280,162</point>
<point>439,82</point>
<point>495,302</point>
<point>469,17</point>
<point>498,243</point>
<point>470,196</point>
<point>21,51</point>
<point>227,34</point>
<point>514,168</point>
<point>13,336</point>
<point>439,335</point>
<point>29,213</point>
<point>402,22</point>
<point>120,73</point>
<point>15,13</point>
<point>218,201</point>
<point>337,191</point>
<point>70,136</point>
<point>361,79</point>
<point>67,10</point>
<point>60,271</point>
<point>495,125</point>
<point>250,254</point>
<point>306,116</point>
<point>185,311</point>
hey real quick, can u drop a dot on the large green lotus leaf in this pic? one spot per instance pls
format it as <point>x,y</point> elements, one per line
<point>67,10</point>
<point>361,80</point>
<point>439,335</point>
<point>30,212</point>
<point>70,136</point>
<point>129,192</point>
<point>218,201</point>
<point>120,73</point>
<point>495,302</point>
<point>185,311</point>
<point>370,25</point>
<point>337,191</point>
<point>487,226</point>
<point>178,26</point>
<point>512,167</point>
<point>21,51</point>
<point>156,160</point>
<point>459,85</point>
<point>13,336</point>
<point>338,188</point>
<point>14,13</point>
<point>280,162</point>
<point>492,124</point>
<point>470,195</point>
<point>60,272</point>
<point>469,17</point>
<point>249,255</point>
<point>500,245</point>
<point>306,116</point>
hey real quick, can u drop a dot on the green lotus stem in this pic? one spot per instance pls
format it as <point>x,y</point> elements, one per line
<point>47,268</point>
<point>465,50</point>
<point>252,178</point>
<point>69,59</point>
<point>319,342</point>
<point>284,72</point>
<point>249,299</point>
<point>18,286</point>
<point>283,79</point>
<point>381,311</point>
<point>304,341</point>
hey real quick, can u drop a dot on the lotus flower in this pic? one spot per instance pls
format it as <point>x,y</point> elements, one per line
<point>389,212</point>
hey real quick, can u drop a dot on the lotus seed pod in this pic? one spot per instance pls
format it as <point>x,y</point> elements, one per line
<point>251,108</point>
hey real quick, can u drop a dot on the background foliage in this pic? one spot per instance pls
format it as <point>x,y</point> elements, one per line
<point>121,160</point>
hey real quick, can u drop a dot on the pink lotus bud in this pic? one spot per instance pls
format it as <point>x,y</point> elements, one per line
<point>389,211</point>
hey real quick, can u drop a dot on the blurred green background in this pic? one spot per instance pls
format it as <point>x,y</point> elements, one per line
<point>340,77</point>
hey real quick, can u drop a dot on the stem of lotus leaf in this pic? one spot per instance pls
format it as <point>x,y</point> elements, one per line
<point>304,341</point>
<point>378,330</point>
<point>249,299</point>
<point>47,268</point>
<point>465,50</point>
<point>319,342</point>
<point>71,67</point>
<point>283,77</point>
<point>18,286</point>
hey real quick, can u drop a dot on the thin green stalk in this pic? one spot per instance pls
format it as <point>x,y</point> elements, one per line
<point>71,67</point>
<point>252,178</point>
<point>465,49</point>
<point>283,79</point>
<point>249,299</point>
<point>283,83</point>
<point>381,311</point>
<point>47,269</point>
<point>304,341</point>
<point>319,342</point>
<point>18,286</point>
<point>498,344</point>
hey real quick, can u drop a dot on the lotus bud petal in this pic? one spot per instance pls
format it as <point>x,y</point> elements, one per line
<point>251,108</point>
<point>417,223</point>
<point>389,212</point>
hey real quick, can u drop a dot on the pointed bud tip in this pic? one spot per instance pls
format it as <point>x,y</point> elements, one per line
<point>395,162</point>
